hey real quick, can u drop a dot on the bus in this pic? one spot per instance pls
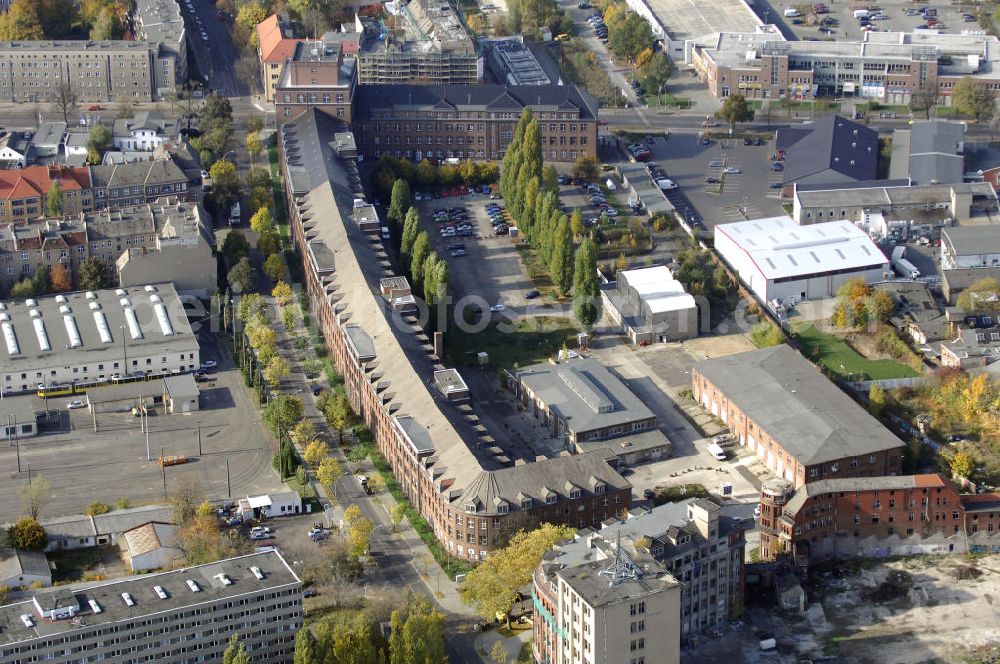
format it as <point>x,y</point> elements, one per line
<point>65,389</point>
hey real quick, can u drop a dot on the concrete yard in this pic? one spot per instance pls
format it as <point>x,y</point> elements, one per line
<point>935,618</point>
<point>83,466</point>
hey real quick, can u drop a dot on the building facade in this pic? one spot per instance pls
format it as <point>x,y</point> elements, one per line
<point>883,67</point>
<point>798,423</point>
<point>426,43</point>
<point>276,43</point>
<point>161,22</point>
<point>23,192</point>
<point>884,516</point>
<point>316,76</point>
<point>87,337</point>
<point>650,305</point>
<point>471,121</point>
<point>471,493</point>
<point>93,71</point>
<point>179,617</point>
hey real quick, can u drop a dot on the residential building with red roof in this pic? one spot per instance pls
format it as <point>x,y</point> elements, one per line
<point>23,191</point>
<point>275,45</point>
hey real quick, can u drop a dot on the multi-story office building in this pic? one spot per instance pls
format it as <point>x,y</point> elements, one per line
<point>426,43</point>
<point>142,235</point>
<point>471,121</point>
<point>628,590</point>
<point>161,22</point>
<point>472,493</point>
<point>883,516</point>
<point>276,43</point>
<point>179,617</point>
<point>884,66</point>
<point>94,71</point>
<point>316,75</point>
<point>801,426</point>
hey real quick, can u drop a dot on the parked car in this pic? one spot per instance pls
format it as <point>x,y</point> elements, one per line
<point>497,308</point>
<point>777,166</point>
<point>75,403</point>
<point>531,295</point>
<point>732,170</point>
<point>712,180</point>
<point>209,364</point>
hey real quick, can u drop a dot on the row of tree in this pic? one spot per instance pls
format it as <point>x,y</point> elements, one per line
<point>91,275</point>
<point>389,170</point>
<point>64,19</point>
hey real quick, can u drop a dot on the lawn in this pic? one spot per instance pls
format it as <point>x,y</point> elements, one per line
<point>532,340</point>
<point>840,359</point>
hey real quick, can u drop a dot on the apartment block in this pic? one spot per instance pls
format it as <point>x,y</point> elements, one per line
<point>627,591</point>
<point>883,66</point>
<point>798,423</point>
<point>161,22</point>
<point>471,121</point>
<point>95,71</point>
<point>23,191</point>
<point>474,493</point>
<point>316,76</point>
<point>883,516</point>
<point>179,617</point>
<point>426,43</point>
<point>276,43</point>
<point>148,232</point>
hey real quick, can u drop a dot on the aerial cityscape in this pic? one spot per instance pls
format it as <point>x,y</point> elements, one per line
<point>499,331</point>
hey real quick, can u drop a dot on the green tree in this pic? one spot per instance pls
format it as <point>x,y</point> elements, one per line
<point>654,74</point>
<point>735,109</point>
<point>276,370</point>
<point>269,243</point>
<point>417,634</point>
<point>241,276</point>
<point>492,587</point>
<point>347,640</point>
<point>585,286</point>
<point>22,22</point>
<point>250,306</point>
<point>766,334</point>
<point>98,142</point>
<point>429,274</point>
<point>981,295</point>
<point>561,263</point>
<point>328,471</point>
<point>586,167</point>
<point>421,248</point>
<point>236,652</point>
<point>22,290</point>
<point>550,179</point>
<point>338,413</point>
<point>400,201</point>
<point>34,495</point>
<point>97,508</point>
<point>225,183</point>
<point>971,99</point>
<point>281,414</point>
<point>576,223</point>
<point>879,306</point>
<point>54,200</point>
<point>962,465</point>
<point>629,36</point>
<point>235,246</point>
<point>93,275</point>
<point>876,399</point>
<point>307,648</point>
<point>274,267</point>
<point>40,281</point>
<point>411,228</point>
<point>27,534</point>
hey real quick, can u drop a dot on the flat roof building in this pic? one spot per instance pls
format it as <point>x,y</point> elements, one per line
<point>316,75</point>
<point>583,403</point>
<point>802,427</point>
<point>929,152</point>
<point>780,260</point>
<point>513,63</point>
<point>650,305</point>
<point>169,617</point>
<point>425,43</point>
<point>161,22</point>
<point>680,22</point>
<point>88,336</point>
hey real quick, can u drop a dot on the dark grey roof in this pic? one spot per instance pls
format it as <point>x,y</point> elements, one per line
<point>16,562</point>
<point>147,173</point>
<point>309,166</point>
<point>474,97</point>
<point>787,397</point>
<point>832,149</point>
<point>887,483</point>
<point>972,240</point>
<point>956,281</point>
<point>914,303</point>
<point>584,394</point>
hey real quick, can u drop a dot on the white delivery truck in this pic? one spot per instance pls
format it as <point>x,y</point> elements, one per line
<point>861,13</point>
<point>716,451</point>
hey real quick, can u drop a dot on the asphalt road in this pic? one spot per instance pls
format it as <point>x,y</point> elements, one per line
<point>217,54</point>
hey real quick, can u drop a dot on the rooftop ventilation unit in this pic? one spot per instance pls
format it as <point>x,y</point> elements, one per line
<point>120,292</point>
<point>223,579</point>
<point>26,619</point>
<point>160,592</point>
<point>164,319</point>
<point>128,599</point>
<point>101,321</point>
<point>65,310</point>
<point>30,303</point>
<point>125,302</point>
<point>193,586</point>
<point>61,299</point>
<point>95,306</point>
<point>9,335</point>
<point>257,573</point>
<point>40,333</point>
<point>155,298</point>
<point>72,331</point>
<point>94,606</point>
<point>91,295</point>
<point>150,289</point>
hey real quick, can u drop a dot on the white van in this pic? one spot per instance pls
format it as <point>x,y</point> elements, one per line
<point>717,452</point>
<point>792,12</point>
<point>861,13</point>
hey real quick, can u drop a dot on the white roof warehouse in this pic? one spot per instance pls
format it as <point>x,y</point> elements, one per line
<point>87,336</point>
<point>780,260</point>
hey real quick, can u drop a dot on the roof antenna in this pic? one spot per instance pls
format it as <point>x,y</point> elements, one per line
<point>621,569</point>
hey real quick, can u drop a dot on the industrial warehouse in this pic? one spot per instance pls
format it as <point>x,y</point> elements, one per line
<point>92,337</point>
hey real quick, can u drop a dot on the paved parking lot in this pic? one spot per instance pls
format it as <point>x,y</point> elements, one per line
<point>689,163</point>
<point>847,27</point>
<point>83,466</point>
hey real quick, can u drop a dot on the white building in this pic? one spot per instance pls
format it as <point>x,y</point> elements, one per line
<point>151,546</point>
<point>970,247</point>
<point>651,305</point>
<point>779,260</point>
<point>143,132</point>
<point>285,503</point>
<point>84,337</point>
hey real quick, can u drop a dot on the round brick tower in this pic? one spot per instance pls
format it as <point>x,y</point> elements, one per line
<point>774,494</point>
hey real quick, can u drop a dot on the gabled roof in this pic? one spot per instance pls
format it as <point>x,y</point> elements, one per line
<point>493,97</point>
<point>832,149</point>
<point>36,181</point>
<point>272,43</point>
